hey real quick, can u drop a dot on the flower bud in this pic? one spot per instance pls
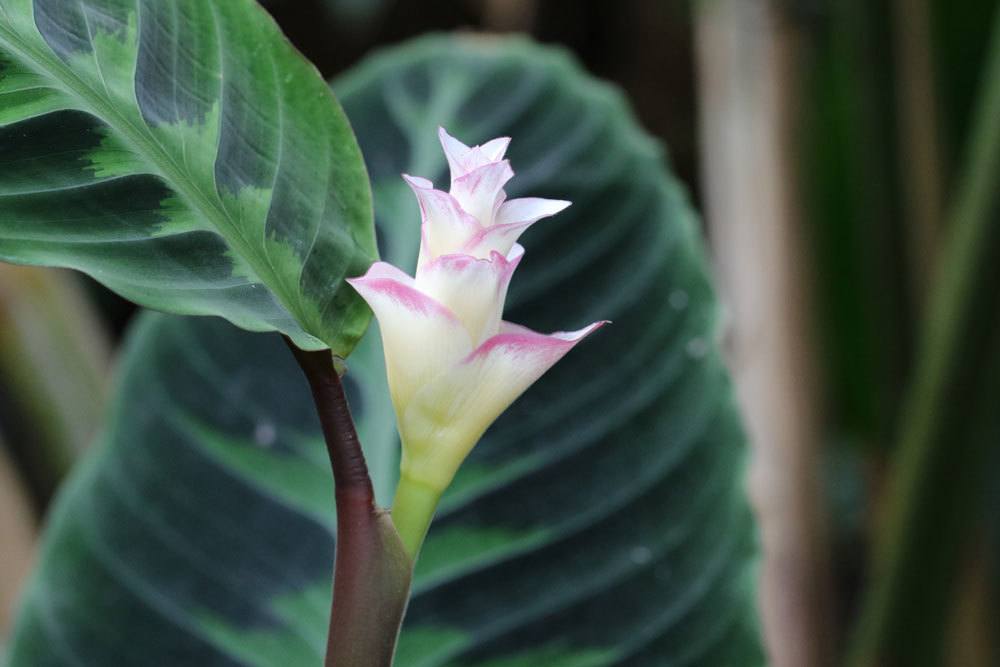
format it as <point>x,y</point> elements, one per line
<point>453,364</point>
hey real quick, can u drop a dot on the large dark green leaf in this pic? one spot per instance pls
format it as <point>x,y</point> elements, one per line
<point>602,521</point>
<point>186,156</point>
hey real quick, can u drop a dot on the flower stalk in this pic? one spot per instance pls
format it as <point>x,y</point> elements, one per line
<point>453,363</point>
<point>412,511</point>
<point>453,366</point>
<point>372,570</point>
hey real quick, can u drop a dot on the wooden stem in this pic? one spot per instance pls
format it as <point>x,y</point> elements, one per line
<point>747,54</point>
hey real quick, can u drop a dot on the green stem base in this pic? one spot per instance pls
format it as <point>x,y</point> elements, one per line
<point>412,511</point>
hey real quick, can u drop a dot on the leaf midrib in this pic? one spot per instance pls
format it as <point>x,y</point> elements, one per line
<point>147,149</point>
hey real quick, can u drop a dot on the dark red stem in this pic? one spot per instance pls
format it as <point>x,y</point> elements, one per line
<point>371,580</point>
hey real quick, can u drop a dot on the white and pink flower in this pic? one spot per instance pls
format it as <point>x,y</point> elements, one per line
<point>453,364</point>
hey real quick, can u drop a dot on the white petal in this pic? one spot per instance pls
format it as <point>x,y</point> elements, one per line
<point>512,219</point>
<point>529,209</point>
<point>445,227</point>
<point>506,364</point>
<point>494,149</point>
<point>472,288</point>
<point>455,151</point>
<point>420,336</point>
<point>480,191</point>
<point>446,418</point>
<point>418,182</point>
<point>498,238</point>
<point>462,159</point>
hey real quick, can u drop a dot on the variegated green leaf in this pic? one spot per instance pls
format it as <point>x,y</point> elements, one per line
<point>602,521</point>
<point>186,156</point>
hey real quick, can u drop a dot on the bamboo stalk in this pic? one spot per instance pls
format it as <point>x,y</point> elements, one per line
<point>55,359</point>
<point>747,79</point>
<point>18,535</point>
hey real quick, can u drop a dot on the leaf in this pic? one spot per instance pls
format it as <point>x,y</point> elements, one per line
<point>186,156</point>
<point>602,521</point>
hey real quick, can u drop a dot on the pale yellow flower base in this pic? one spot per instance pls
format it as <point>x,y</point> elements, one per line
<point>412,511</point>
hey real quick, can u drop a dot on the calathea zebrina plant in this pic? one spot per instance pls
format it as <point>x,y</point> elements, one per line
<point>185,156</point>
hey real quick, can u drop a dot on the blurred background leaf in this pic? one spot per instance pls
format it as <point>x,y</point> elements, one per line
<point>950,426</point>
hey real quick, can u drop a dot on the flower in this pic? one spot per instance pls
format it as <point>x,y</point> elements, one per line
<point>453,364</point>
